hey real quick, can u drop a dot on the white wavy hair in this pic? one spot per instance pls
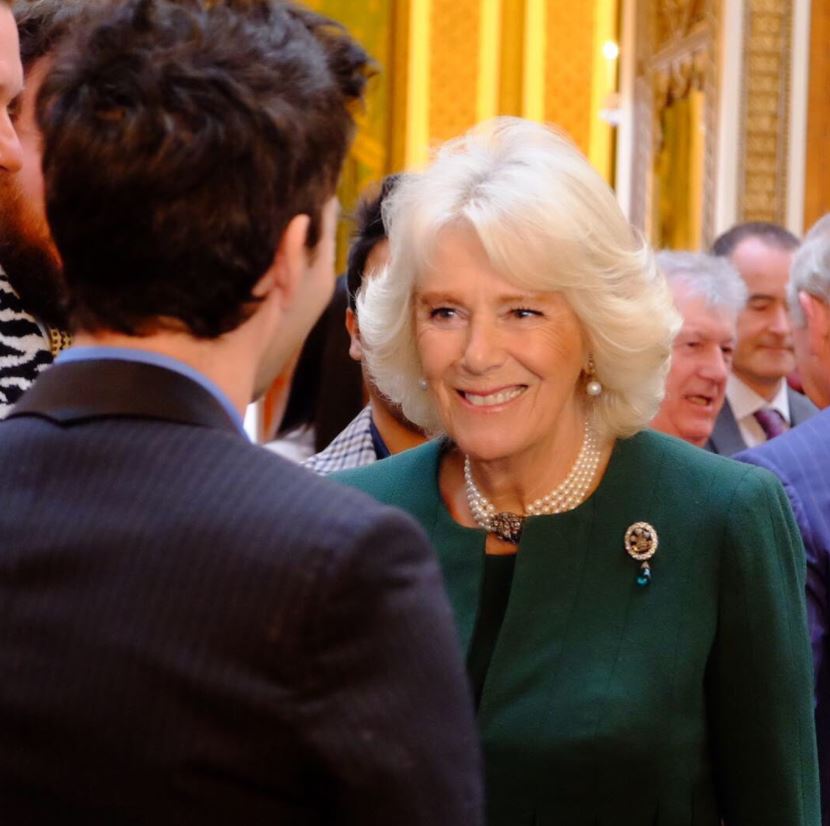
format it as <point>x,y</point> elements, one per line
<point>547,222</point>
<point>711,277</point>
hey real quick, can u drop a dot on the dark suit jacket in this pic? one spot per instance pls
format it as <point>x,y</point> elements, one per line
<point>193,630</point>
<point>801,459</point>
<point>726,438</point>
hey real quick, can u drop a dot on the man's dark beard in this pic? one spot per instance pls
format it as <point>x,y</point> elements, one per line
<point>31,267</point>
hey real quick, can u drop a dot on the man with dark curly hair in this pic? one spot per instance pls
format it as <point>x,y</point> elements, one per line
<point>194,630</point>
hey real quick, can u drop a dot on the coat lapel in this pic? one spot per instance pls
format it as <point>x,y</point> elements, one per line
<point>726,438</point>
<point>801,408</point>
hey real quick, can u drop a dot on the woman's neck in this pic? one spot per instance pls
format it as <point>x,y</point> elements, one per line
<point>511,483</point>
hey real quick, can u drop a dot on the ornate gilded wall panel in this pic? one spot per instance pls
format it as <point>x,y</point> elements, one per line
<point>675,18</point>
<point>454,67</point>
<point>763,171</point>
<point>676,95</point>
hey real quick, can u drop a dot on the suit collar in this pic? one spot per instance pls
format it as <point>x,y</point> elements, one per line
<point>726,436</point>
<point>105,388</point>
<point>801,408</point>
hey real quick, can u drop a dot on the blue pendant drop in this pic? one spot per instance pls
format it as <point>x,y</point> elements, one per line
<point>644,578</point>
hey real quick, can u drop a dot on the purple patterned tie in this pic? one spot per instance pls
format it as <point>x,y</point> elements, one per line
<point>771,421</point>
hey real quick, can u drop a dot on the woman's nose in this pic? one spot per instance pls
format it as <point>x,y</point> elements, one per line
<point>484,349</point>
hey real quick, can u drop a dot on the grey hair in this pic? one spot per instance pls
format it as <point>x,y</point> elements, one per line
<point>547,222</point>
<point>711,277</point>
<point>820,228</point>
<point>810,273</point>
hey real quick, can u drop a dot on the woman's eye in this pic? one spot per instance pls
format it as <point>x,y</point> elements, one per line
<point>442,312</point>
<point>526,312</point>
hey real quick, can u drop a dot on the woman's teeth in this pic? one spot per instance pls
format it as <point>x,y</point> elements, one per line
<point>502,397</point>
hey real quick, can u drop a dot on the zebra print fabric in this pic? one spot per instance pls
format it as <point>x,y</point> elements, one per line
<point>24,347</point>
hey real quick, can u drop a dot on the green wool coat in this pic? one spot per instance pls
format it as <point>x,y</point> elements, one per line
<point>610,704</point>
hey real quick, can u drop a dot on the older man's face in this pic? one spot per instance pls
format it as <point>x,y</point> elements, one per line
<point>701,358</point>
<point>27,252</point>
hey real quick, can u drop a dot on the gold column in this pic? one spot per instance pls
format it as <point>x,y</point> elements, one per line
<point>418,83</point>
<point>535,48</point>
<point>817,173</point>
<point>489,39</point>
<point>604,82</point>
<point>512,64</point>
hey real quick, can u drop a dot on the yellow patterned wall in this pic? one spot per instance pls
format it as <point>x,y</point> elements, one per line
<point>447,64</point>
<point>570,32</point>
<point>372,23</point>
<point>453,75</point>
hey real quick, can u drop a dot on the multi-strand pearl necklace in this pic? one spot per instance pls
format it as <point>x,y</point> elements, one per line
<point>564,497</point>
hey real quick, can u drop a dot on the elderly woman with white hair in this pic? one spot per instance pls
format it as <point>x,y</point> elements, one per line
<point>631,607</point>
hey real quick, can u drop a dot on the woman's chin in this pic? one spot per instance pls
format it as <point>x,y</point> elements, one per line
<point>489,450</point>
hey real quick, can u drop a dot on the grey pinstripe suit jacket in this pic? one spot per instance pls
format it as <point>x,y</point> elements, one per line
<point>801,459</point>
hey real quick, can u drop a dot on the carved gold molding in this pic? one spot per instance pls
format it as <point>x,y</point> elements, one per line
<point>676,51</point>
<point>762,191</point>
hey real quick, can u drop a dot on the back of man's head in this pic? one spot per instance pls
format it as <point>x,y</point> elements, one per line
<point>810,310</point>
<point>773,235</point>
<point>180,139</point>
<point>43,24</point>
<point>810,273</point>
<point>819,229</point>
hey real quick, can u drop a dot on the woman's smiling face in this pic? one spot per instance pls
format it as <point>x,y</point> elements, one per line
<point>503,363</point>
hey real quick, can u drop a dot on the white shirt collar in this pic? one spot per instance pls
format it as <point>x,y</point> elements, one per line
<point>744,401</point>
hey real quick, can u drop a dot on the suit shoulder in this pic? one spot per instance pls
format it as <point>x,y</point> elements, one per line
<point>800,450</point>
<point>279,490</point>
<point>801,407</point>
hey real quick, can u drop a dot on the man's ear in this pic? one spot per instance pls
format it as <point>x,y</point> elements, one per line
<point>288,268</point>
<point>353,328</point>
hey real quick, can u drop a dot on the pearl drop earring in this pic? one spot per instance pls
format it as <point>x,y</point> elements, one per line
<point>422,384</point>
<point>593,387</point>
